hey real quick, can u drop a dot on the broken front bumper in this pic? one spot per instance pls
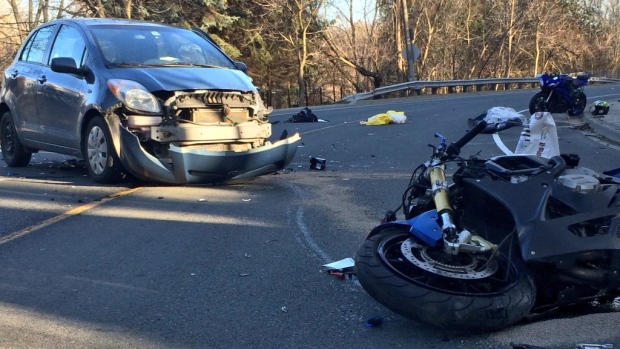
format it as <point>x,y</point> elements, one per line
<point>203,167</point>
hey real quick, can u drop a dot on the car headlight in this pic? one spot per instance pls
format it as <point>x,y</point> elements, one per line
<point>134,95</point>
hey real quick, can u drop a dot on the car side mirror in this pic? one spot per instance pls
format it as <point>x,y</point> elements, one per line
<point>66,65</point>
<point>241,66</point>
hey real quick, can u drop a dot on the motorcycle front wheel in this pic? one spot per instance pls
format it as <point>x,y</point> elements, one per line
<point>494,295</point>
<point>538,102</point>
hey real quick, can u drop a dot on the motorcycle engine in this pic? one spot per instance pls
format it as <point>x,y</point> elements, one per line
<point>580,183</point>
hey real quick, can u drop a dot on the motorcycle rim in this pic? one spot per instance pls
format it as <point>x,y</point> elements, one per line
<point>488,275</point>
<point>579,105</point>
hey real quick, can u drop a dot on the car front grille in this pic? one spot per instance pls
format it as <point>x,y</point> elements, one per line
<point>214,115</point>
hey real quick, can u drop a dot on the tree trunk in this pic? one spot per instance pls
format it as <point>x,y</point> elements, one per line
<point>398,42</point>
<point>301,95</point>
<point>18,18</point>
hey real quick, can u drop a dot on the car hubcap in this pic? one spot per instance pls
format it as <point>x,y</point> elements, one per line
<point>97,150</point>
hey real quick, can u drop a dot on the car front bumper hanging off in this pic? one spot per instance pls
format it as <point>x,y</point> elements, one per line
<point>204,167</point>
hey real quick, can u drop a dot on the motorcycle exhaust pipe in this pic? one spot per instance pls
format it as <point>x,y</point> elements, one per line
<point>584,276</point>
<point>593,256</point>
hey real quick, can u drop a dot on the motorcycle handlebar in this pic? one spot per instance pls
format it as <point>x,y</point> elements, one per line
<point>455,148</point>
<point>558,164</point>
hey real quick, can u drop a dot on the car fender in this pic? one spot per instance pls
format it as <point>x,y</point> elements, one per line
<point>113,121</point>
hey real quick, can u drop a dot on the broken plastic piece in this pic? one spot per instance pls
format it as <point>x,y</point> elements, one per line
<point>341,264</point>
<point>336,273</point>
<point>317,163</point>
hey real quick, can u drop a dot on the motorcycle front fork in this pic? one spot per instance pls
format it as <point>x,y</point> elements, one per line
<point>454,241</point>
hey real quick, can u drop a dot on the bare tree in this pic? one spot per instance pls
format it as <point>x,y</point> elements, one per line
<point>294,22</point>
<point>351,55</point>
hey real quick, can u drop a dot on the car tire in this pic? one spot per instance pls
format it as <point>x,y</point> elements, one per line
<point>101,159</point>
<point>14,153</point>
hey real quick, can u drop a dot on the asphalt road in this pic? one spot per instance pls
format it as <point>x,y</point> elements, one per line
<point>146,266</point>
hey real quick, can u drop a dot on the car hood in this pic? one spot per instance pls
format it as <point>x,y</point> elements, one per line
<point>191,78</point>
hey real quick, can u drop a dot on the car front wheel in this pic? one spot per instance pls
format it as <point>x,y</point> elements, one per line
<point>12,149</point>
<point>102,162</point>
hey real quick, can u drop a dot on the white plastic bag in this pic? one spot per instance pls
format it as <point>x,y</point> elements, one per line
<point>539,137</point>
<point>498,115</point>
<point>397,116</point>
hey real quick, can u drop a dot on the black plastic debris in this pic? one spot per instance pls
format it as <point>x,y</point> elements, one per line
<point>317,163</point>
<point>374,321</point>
<point>305,115</point>
<point>390,216</point>
<point>525,346</point>
<point>613,173</point>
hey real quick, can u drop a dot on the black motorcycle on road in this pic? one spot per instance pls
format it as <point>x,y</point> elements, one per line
<point>512,236</point>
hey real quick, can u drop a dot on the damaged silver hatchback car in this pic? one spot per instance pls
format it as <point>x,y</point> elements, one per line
<point>162,103</point>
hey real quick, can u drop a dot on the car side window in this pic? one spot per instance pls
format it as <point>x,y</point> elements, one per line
<point>34,51</point>
<point>68,43</point>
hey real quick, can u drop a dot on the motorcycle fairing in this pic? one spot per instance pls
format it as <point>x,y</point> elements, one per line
<point>424,227</point>
<point>549,238</point>
<point>594,225</point>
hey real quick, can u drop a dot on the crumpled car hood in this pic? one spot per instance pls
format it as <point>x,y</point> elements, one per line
<point>191,78</point>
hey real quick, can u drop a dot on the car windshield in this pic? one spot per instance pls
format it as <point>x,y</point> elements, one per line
<point>157,46</point>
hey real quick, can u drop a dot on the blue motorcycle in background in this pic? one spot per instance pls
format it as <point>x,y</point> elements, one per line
<point>560,93</point>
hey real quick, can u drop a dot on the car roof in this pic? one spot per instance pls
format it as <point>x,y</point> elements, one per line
<point>109,21</point>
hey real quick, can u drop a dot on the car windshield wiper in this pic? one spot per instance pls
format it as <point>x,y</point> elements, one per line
<point>167,64</point>
<point>127,64</point>
<point>181,64</point>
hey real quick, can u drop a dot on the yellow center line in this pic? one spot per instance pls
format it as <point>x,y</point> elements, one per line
<point>72,212</point>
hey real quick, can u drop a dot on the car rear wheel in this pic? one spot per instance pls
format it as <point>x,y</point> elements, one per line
<point>12,149</point>
<point>102,162</point>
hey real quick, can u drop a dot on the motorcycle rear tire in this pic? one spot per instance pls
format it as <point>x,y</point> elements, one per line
<point>446,308</point>
<point>579,106</point>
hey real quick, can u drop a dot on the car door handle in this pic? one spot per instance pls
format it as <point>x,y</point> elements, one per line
<point>42,79</point>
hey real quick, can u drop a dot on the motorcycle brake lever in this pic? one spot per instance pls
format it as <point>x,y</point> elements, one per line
<point>442,144</point>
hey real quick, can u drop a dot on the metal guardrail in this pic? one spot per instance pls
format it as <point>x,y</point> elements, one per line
<point>417,85</point>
